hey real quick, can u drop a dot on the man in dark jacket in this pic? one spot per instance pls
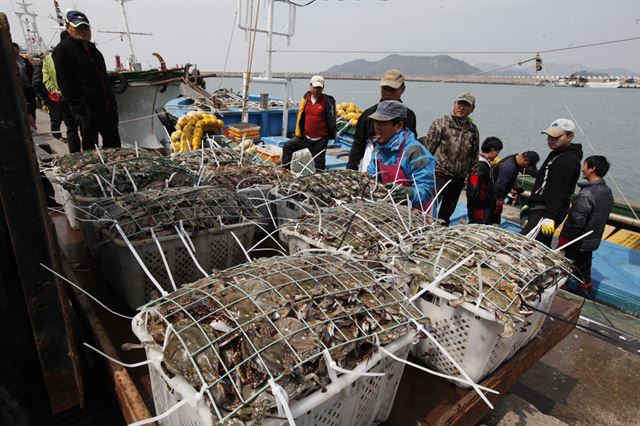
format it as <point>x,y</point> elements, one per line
<point>589,212</point>
<point>391,89</point>
<point>455,142</point>
<point>556,181</point>
<point>82,76</point>
<point>506,173</point>
<point>316,124</point>
<point>482,203</point>
<point>25,69</point>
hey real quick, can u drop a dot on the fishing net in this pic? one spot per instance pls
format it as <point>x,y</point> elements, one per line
<point>237,331</point>
<point>484,266</point>
<point>126,176</point>
<point>365,227</point>
<point>192,209</point>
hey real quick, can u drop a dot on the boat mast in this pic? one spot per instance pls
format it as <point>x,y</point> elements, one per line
<point>34,44</point>
<point>250,28</point>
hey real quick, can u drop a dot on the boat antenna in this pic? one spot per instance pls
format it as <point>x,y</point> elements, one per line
<point>133,62</point>
<point>34,43</point>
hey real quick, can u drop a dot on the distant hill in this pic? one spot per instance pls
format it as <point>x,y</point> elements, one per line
<point>409,65</point>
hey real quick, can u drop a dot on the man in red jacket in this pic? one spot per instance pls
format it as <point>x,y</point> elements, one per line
<point>316,124</point>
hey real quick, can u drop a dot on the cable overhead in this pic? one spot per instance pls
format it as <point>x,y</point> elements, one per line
<point>470,52</point>
<point>301,5</point>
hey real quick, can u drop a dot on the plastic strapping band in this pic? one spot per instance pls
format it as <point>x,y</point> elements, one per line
<point>282,401</point>
<point>85,292</point>
<point>242,247</point>
<point>435,264</point>
<point>99,154</point>
<point>101,187</point>
<point>331,365</point>
<point>164,259</point>
<point>142,265</point>
<point>188,238</point>
<point>195,398</point>
<point>480,293</point>
<point>113,179</point>
<point>452,360</point>
<point>137,152</point>
<point>137,364</point>
<point>435,373</point>
<point>404,225</point>
<point>135,187</point>
<point>436,196</point>
<point>186,245</point>
<point>168,181</point>
<point>573,241</point>
<point>440,277</point>
<point>534,232</point>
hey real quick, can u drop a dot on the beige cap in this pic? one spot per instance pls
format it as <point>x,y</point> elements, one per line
<point>317,81</point>
<point>392,78</point>
<point>466,97</point>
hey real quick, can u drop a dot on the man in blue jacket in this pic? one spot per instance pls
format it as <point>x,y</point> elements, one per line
<point>399,160</point>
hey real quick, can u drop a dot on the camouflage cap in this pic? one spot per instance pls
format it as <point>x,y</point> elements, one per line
<point>466,97</point>
<point>388,110</point>
<point>392,78</point>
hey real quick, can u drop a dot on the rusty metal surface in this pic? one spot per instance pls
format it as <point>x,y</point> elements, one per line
<point>33,240</point>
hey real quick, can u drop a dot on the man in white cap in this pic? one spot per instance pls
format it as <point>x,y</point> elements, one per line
<point>316,124</point>
<point>81,74</point>
<point>555,183</point>
<point>455,142</point>
<point>391,89</point>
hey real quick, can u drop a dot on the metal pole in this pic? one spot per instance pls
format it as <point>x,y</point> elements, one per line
<point>285,108</point>
<point>132,55</point>
<point>267,72</point>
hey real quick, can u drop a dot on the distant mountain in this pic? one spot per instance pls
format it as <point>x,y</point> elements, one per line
<point>409,65</point>
<point>553,69</point>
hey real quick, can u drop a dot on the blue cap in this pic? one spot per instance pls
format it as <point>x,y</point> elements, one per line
<point>76,18</point>
<point>388,110</point>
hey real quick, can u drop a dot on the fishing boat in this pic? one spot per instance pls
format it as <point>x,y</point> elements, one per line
<point>607,83</point>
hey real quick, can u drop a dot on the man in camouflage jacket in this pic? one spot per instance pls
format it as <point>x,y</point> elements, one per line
<point>454,140</point>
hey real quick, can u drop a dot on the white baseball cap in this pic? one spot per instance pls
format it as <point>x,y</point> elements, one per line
<point>560,126</point>
<point>317,81</point>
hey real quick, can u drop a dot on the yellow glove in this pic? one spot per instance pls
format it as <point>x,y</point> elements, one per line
<point>547,227</point>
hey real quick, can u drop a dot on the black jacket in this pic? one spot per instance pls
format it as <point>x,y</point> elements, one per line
<point>589,212</point>
<point>364,132</point>
<point>556,182</point>
<point>37,83</point>
<point>486,198</point>
<point>82,77</point>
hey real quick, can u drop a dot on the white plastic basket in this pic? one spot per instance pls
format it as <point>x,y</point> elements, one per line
<point>351,400</point>
<point>259,197</point>
<point>472,336</point>
<point>215,249</point>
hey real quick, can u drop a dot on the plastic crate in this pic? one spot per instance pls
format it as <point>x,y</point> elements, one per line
<point>237,131</point>
<point>358,402</point>
<point>215,249</point>
<point>259,197</point>
<point>472,337</point>
<point>288,208</point>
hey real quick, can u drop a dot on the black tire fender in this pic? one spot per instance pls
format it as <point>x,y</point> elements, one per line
<point>117,81</point>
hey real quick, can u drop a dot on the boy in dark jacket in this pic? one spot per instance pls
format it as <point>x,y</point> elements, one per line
<point>589,212</point>
<point>481,203</point>
<point>505,174</point>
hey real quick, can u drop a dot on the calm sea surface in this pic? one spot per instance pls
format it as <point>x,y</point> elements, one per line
<point>609,119</point>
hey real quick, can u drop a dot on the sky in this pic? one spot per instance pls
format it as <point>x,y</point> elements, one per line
<point>203,32</point>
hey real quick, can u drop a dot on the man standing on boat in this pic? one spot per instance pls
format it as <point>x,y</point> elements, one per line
<point>455,142</point>
<point>556,181</point>
<point>391,89</point>
<point>82,76</point>
<point>399,160</point>
<point>316,124</point>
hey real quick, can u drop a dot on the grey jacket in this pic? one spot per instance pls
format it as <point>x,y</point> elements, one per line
<point>589,211</point>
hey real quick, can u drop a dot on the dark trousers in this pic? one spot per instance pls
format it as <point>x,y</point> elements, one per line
<point>449,197</point>
<point>104,123</point>
<point>72,125</point>
<point>534,218</point>
<point>30,96</point>
<point>317,148</point>
<point>581,263</point>
<point>55,117</point>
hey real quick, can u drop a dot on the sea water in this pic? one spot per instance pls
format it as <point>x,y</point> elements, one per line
<point>608,119</point>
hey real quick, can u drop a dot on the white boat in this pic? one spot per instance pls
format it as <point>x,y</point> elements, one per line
<point>606,83</point>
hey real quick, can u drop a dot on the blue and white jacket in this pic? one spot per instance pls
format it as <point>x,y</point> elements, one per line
<point>417,163</point>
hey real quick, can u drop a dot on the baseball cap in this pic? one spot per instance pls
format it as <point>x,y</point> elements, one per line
<point>466,97</point>
<point>560,126</point>
<point>392,78</point>
<point>388,110</point>
<point>533,158</point>
<point>317,81</point>
<point>75,18</point>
